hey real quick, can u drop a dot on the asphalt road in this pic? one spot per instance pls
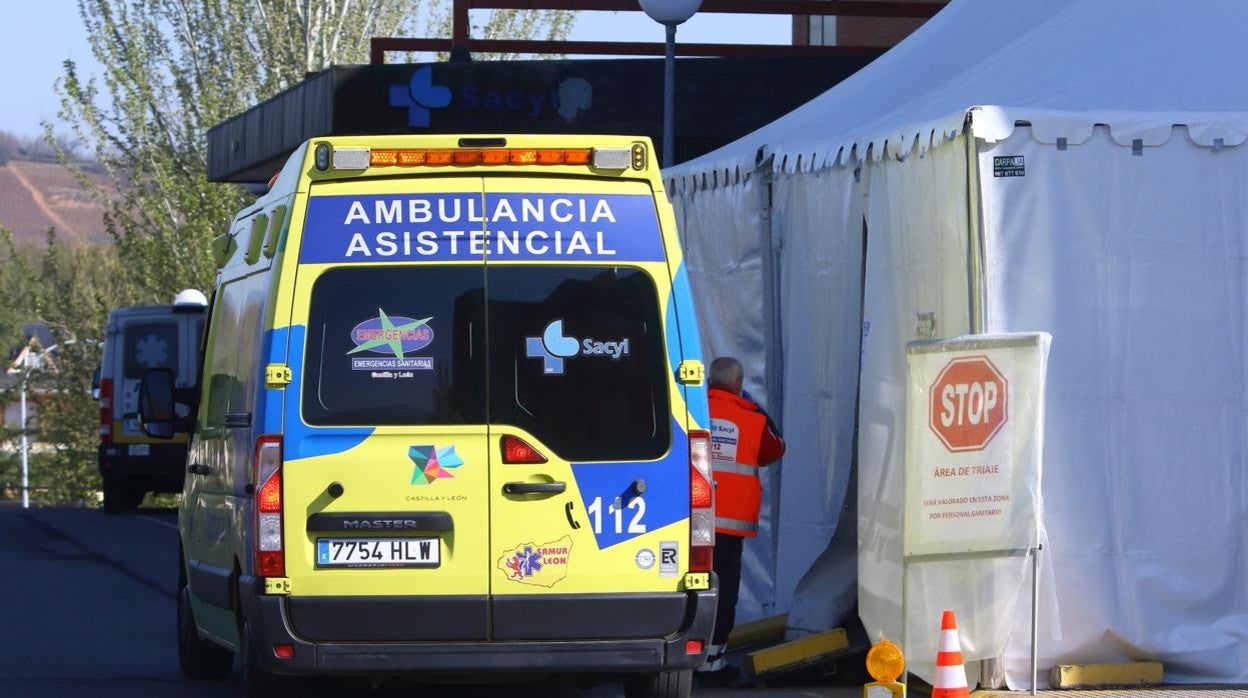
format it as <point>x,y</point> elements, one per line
<point>88,610</point>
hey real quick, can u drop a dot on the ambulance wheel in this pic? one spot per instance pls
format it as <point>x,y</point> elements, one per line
<point>199,658</point>
<point>119,499</point>
<point>667,684</point>
<point>258,683</point>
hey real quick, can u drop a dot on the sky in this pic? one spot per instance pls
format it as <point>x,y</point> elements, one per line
<point>37,37</point>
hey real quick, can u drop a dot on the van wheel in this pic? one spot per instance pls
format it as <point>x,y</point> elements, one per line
<point>119,499</point>
<point>667,684</point>
<point>258,683</point>
<point>199,658</point>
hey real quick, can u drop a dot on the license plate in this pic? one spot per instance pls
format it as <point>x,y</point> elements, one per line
<point>139,449</point>
<point>378,552</point>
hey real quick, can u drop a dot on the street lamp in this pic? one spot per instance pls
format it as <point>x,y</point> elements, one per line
<point>669,13</point>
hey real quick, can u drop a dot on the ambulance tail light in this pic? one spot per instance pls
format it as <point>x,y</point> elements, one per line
<point>270,553</point>
<point>106,410</point>
<point>701,502</point>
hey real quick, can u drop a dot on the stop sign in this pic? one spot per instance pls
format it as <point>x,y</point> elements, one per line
<point>968,403</point>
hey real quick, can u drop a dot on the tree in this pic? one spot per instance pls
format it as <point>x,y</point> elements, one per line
<point>71,289</point>
<point>174,68</point>
<point>171,70</point>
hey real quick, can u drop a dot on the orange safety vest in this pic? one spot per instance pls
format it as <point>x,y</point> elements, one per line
<point>740,442</point>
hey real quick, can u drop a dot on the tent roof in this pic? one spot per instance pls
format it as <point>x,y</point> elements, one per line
<point>1137,66</point>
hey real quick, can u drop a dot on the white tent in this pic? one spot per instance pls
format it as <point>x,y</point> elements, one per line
<point>820,244</point>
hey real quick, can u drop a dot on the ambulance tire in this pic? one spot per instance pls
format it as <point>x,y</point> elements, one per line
<point>667,684</point>
<point>258,683</point>
<point>119,499</point>
<point>199,658</point>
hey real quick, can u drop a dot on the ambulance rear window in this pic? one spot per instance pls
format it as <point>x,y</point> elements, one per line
<point>150,345</point>
<point>575,354</point>
<point>577,359</point>
<point>396,346</point>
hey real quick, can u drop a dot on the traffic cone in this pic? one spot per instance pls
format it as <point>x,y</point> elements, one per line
<point>950,673</point>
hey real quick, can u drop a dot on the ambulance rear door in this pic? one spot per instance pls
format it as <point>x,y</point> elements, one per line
<point>588,454</point>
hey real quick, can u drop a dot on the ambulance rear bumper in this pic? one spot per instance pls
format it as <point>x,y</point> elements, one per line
<point>271,623</point>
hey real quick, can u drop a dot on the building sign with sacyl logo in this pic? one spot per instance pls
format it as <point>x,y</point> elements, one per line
<point>533,96</point>
<point>974,431</point>
<point>419,96</point>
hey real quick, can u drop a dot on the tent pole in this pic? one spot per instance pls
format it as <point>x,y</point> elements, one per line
<point>991,671</point>
<point>773,351</point>
<point>975,231</point>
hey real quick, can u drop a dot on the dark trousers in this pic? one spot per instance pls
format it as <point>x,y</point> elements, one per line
<point>727,565</point>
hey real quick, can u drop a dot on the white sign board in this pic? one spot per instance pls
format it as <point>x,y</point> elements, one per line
<point>974,438</point>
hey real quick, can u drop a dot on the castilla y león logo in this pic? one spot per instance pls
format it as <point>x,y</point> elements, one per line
<point>432,462</point>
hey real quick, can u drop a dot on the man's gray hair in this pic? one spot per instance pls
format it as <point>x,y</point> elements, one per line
<point>726,373</point>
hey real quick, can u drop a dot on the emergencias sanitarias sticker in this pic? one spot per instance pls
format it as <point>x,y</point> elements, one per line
<point>394,338</point>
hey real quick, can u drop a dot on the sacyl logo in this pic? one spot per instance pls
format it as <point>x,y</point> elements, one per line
<point>567,99</point>
<point>553,347</point>
<point>418,96</point>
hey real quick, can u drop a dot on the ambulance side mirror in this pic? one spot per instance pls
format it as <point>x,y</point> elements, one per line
<point>95,384</point>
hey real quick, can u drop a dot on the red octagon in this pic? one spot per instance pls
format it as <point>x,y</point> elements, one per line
<point>969,403</point>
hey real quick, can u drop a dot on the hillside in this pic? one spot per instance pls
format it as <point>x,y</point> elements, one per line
<point>35,196</point>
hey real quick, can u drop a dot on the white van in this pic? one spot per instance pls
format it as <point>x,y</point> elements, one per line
<point>137,338</point>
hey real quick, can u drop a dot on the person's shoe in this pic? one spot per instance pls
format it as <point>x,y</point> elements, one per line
<point>720,678</point>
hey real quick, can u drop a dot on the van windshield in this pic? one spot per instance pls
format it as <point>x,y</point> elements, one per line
<point>575,354</point>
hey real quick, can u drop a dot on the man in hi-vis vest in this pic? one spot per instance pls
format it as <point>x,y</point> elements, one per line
<point>743,438</point>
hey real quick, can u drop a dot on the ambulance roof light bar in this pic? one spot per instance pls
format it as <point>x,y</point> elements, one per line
<point>327,157</point>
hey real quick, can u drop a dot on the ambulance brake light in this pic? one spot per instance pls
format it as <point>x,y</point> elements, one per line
<point>701,502</point>
<point>267,476</point>
<point>106,410</point>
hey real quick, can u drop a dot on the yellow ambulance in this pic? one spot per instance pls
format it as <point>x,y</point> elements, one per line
<point>451,422</point>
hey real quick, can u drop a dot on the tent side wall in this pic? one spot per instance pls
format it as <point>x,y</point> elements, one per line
<point>811,223</point>
<point>1133,259</point>
<point>817,223</point>
<point>722,229</point>
<point>917,273</point>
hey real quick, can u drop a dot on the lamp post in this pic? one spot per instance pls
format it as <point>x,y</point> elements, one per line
<point>669,13</point>
<point>25,439</point>
<point>25,364</point>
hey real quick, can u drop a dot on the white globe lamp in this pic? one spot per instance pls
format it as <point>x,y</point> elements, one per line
<point>670,11</point>
<point>190,296</point>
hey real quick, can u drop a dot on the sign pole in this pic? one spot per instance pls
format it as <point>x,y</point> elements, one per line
<point>1035,613</point>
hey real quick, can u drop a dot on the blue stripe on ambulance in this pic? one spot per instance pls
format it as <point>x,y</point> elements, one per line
<point>666,493</point>
<point>301,440</point>
<point>683,338</point>
<point>269,402</point>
